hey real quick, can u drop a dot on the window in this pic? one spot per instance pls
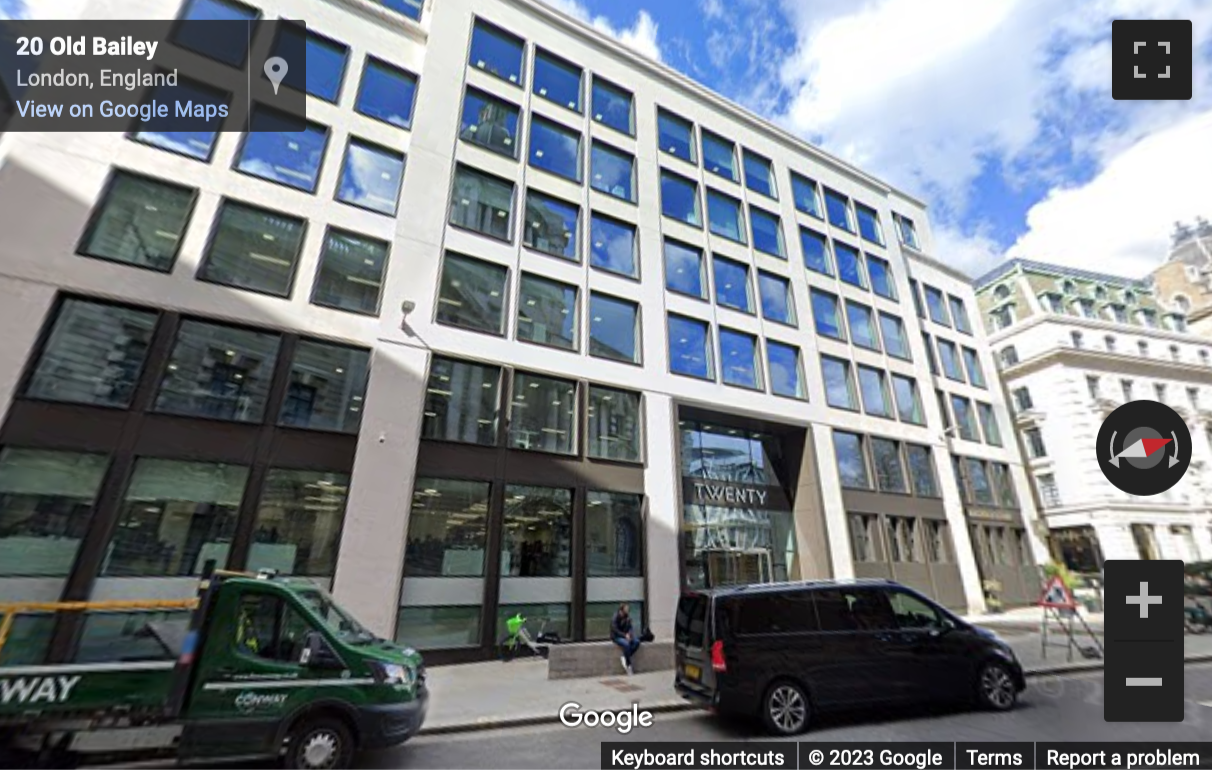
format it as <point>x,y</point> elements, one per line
<point>839,385</point>
<point>489,122</point>
<point>612,106</point>
<point>496,51</point>
<point>851,460</point>
<point>893,331</point>
<point>555,148</point>
<point>680,199</point>
<point>614,525</point>
<point>543,414</point>
<point>1092,383</point>
<point>253,249</point>
<point>775,293</point>
<point>739,363</point>
<point>612,245</point>
<point>350,276</point>
<point>930,357</point>
<point>410,8</point>
<point>806,194</point>
<point>912,612</point>
<point>1068,287</point>
<point>942,409</point>
<point>906,230</point>
<point>615,428</point>
<point>874,389</point>
<point>1118,313</point>
<point>462,403</point>
<point>938,310</point>
<point>758,175</point>
<point>1035,443</point>
<point>614,328</point>
<point>1003,484</point>
<point>447,528</point>
<point>1193,397</point>
<point>1174,355</point>
<point>816,251</point>
<point>139,221</point>
<point>1085,308</point>
<point>767,232</point>
<point>548,312</point>
<point>849,265</point>
<point>471,294</point>
<point>684,270</point>
<point>785,370</point>
<point>719,156</point>
<point>1147,318</point>
<point>976,375</point>
<point>1109,342</point>
<point>537,538</point>
<point>837,206</point>
<point>277,150</point>
<point>732,284</point>
<point>201,38</point>
<point>552,226</point>
<point>371,177</point>
<point>1142,347</point>
<point>298,523</point>
<point>1204,357</point>
<point>325,61</point>
<point>864,536</point>
<point>776,613</point>
<point>557,80</point>
<point>869,224</point>
<point>965,419</point>
<point>960,314</point>
<point>826,313</point>
<point>886,460</point>
<point>482,203</point>
<point>882,282</point>
<point>950,358</point>
<point>46,503</point>
<point>220,372</point>
<point>1076,337</point>
<point>921,470</point>
<point>387,93</point>
<point>613,172</point>
<point>175,517</point>
<point>914,289</point>
<point>1001,318</point>
<point>1159,392</point>
<point>94,354</point>
<point>724,216</point>
<point>993,436</point>
<point>675,136</point>
<point>1008,355</point>
<point>690,347</point>
<point>327,387</point>
<point>192,144</point>
<point>1022,399</point>
<point>978,481</point>
<point>1048,491</point>
<point>862,326</point>
<point>908,404</point>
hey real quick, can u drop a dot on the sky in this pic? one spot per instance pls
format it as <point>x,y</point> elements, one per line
<point>998,114</point>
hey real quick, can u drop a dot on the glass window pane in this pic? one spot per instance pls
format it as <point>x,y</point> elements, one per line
<point>229,49</point>
<point>826,314</point>
<point>537,536</point>
<point>993,435</point>
<point>862,326</point>
<point>175,517</point>
<point>964,418</point>
<point>615,429</point>
<point>838,208</point>
<point>410,8</point>
<point>767,232</point>
<point>930,357</point>
<point>816,251</point>
<point>684,270</point>
<point>807,196</point>
<point>139,221</point>
<point>325,64</point>
<point>680,199</point>
<point>253,249</point>
<point>874,389</point>
<point>275,149</point>
<point>490,123</point>
<point>93,355</point>
<point>552,226</point>
<point>438,628</point>
<point>839,387</point>
<point>193,144</point>
<point>719,156</point>
<point>547,312</point>
<point>327,388</point>
<point>732,284</point>
<point>851,464</point>
<point>462,402</point>
<point>938,308</point>
<point>614,331</point>
<point>298,525</point>
<point>960,313</point>
<point>886,459</point>
<point>775,292</point>
<point>850,265</point>
<point>447,528</point>
<point>543,414</point>
<point>471,294</point>
<point>387,93</point>
<point>908,404</point>
<point>978,480</point>
<point>724,216</point>
<point>950,358</point>
<point>46,504</point>
<point>371,177</point>
<point>921,471</point>
<point>972,362</point>
<point>893,331</point>
<point>869,224</point>
<point>614,530</point>
<point>612,107</point>
<point>882,282</point>
<point>555,148</point>
<point>739,359</point>
<point>785,372</point>
<point>675,136</point>
<point>350,276</point>
<point>612,245</point>
<point>690,347</point>
<point>220,372</point>
<point>557,80</point>
<point>613,172</point>
<point>758,176</point>
<point>496,51</point>
<point>482,203</point>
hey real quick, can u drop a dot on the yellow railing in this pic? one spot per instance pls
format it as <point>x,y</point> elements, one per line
<point>10,611</point>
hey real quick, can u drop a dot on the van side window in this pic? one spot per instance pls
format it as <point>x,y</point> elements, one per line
<point>268,628</point>
<point>912,612</point>
<point>853,609</point>
<point>777,613</point>
<point>691,622</point>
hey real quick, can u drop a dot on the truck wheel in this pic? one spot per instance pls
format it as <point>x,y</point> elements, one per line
<point>322,743</point>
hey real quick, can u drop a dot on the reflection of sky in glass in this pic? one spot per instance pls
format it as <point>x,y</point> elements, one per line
<point>881,277</point>
<point>195,144</point>
<point>724,216</point>
<point>767,235</point>
<point>719,156</point>
<point>962,409</point>
<point>371,178</point>
<point>684,270</point>
<point>290,158</point>
<point>325,67</point>
<point>731,284</point>
<point>804,192</point>
<point>951,365</point>
<point>738,359</point>
<point>938,310</point>
<point>612,107</point>
<point>386,93</point>
<point>612,172</point>
<point>849,265</point>
<point>552,225</point>
<point>612,328</point>
<point>204,38</point>
<point>839,210</point>
<point>675,136</point>
<point>825,313</point>
<point>816,251</point>
<point>556,149</point>
<point>869,225</point>
<point>410,8</point>
<point>851,466</point>
<point>688,347</point>
<point>680,199</point>
<point>894,336</point>
<point>489,123</point>
<point>907,405</point>
<point>757,174</point>
<point>776,298</point>
<point>976,375</point>
<point>557,81</point>
<point>838,390</point>
<point>875,393</point>
<point>494,51</point>
<point>612,245</point>
<point>784,370</point>
<point>862,330</point>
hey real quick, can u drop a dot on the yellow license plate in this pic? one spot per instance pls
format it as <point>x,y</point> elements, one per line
<point>692,672</point>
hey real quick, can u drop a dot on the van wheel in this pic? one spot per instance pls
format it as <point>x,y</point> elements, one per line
<point>785,708</point>
<point>995,687</point>
<point>323,743</point>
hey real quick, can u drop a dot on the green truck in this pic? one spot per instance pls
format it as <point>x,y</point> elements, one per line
<point>256,667</point>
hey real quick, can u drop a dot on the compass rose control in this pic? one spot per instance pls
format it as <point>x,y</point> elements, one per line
<point>1144,448</point>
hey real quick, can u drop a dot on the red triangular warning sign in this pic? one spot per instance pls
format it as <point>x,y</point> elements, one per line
<point>1057,595</point>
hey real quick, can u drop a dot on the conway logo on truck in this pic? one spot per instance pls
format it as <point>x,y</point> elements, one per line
<point>37,689</point>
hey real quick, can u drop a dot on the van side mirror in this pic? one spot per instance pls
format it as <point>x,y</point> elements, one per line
<point>317,654</point>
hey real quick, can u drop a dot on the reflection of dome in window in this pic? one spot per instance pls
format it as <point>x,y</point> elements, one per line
<point>1182,303</point>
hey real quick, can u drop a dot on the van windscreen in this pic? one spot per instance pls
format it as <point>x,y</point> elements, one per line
<point>690,629</point>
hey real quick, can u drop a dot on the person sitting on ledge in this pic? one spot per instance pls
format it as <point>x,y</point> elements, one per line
<point>623,635</point>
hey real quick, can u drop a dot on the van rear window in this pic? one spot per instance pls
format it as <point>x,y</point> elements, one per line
<point>690,629</point>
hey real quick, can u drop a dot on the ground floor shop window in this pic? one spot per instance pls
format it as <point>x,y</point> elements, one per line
<point>447,528</point>
<point>435,628</point>
<point>599,615</point>
<point>299,522</point>
<point>1078,549</point>
<point>538,532</point>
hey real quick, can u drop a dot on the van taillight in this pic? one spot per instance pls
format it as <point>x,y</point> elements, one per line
<point>717,657</point>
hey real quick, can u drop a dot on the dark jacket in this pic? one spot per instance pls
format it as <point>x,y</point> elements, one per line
<point>620,626</point>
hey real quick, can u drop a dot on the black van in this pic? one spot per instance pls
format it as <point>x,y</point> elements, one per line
<point>781,650</point>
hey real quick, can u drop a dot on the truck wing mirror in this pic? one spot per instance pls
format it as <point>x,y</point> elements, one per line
<point>317,654</point>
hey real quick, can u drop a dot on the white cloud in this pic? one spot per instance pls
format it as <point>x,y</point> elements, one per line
<point>641,36</point>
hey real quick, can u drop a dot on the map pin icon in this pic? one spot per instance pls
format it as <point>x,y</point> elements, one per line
<point>275,70</point>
